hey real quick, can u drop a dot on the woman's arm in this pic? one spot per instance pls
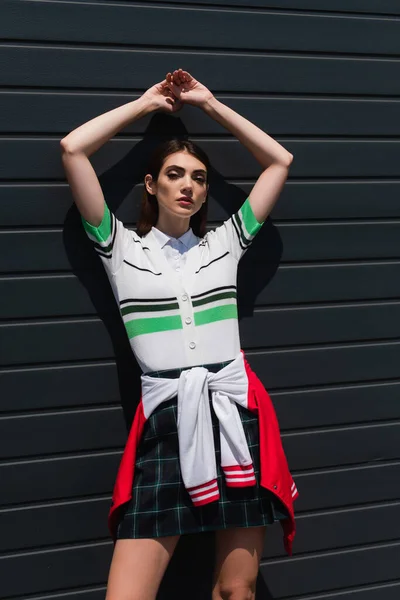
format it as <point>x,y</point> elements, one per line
<point>83,141</point>
<point>273,157</point>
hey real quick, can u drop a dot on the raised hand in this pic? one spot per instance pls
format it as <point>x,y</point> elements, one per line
<point>162,98</point>
<point>187,89</point>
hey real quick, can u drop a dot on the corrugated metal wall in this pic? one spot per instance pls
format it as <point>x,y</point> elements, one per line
<point>324,335</point>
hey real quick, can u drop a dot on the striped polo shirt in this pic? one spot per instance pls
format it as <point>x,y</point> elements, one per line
<point>176,321</point>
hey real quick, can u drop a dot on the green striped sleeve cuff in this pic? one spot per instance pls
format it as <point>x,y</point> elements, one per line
<point>251,224</point>
<point>101,233</point>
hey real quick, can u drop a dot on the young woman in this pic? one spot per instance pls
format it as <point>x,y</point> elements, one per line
<point>204,451</point>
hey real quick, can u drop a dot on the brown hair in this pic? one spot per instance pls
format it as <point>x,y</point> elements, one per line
<point>149,208</point>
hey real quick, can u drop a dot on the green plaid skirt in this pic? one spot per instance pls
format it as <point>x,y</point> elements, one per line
<point>160,504</point>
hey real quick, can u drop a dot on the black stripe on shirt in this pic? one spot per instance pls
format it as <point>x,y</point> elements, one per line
<point>238,233</point>
<point>212,261</point>
<point>140,269</point>
<point>148,300</point>
<point>217,289</point>
<point>108,249</point>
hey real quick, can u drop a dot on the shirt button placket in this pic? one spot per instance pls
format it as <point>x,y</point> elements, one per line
<point>188,320</point>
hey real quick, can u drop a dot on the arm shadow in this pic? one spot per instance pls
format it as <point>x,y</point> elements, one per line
<point>260,262</point>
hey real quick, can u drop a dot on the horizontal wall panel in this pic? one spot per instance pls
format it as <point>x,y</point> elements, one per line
<point>390,7</point>
<point>37,343</point>
<point>89,339</point>
<point>56,478</point>
<point>44,250</point>
<point>351,445</point>
<point>28,112</point>
<point>63,523</point>
<point>384,591</point>
<point>319,366</point>
<point>43,571</point>
<point>370,565</point>
<point>80,521</point>
<point>337,406</point>
<point>92,593</point>
<point>122,69</point>
<point>347,486</point>
<point>341,529</point>
<point>83,430</point>
<point>300,326</point>
<point>34,435</point>
<point>295,410</point>
<point>250,30</point>
<point>331,571</point>
<point>66,386</point>
<point>90,475</point>
<point>38,204</point>
<point>37,159</point>
<point>336,241</point>
<point>289,285</point>
<point>60,386</point>
<point>335,282</point>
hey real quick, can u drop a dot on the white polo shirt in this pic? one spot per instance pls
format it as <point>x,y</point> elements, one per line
<point>177,320</point>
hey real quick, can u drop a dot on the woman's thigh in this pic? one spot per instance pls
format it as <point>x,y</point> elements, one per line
<point>237,559</point>
<point>138,566</point>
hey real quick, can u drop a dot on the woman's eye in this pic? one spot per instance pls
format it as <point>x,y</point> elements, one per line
<point>175,176</point>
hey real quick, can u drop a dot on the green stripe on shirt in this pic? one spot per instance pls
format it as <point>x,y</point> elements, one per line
<point>152,325</point>
<point>219,313</point>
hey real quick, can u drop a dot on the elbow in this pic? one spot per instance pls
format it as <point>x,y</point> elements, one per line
<point>288,160</point>
<point>284,161</point>
<point>67,147</point>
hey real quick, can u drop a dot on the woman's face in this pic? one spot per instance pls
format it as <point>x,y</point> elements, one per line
<point>181,187</point>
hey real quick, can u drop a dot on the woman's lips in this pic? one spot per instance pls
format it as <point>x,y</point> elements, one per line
<point>185,201</point>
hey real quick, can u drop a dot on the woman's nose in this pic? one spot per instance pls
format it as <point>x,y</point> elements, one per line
<point>187,184</point>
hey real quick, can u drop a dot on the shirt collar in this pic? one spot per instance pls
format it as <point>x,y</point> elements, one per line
<point>188,239</point>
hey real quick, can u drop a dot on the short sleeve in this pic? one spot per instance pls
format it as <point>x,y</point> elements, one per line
<point>111,240</point>
<point>237,233</point>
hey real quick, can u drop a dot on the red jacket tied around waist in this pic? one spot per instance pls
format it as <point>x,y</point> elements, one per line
<point>275,474</point>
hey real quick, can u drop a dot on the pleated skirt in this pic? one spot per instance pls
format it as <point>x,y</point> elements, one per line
<point>161,506</point>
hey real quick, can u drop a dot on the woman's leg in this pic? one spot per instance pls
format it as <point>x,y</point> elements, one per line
<point>138,566</point>
<point>238,554</point>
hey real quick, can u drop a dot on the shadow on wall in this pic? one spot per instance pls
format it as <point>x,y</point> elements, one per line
<point>194,553</point>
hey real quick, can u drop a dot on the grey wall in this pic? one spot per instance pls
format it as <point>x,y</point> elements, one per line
<point>320,288</point>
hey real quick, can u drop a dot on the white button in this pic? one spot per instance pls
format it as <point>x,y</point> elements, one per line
<point>184,297</point>
<point>177,269</point>
<point>176,257</point>
<point>192,345</point>
<point>188,320</point>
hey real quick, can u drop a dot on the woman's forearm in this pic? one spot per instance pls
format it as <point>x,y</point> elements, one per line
<point>90,136</point>
<point>265,149</point>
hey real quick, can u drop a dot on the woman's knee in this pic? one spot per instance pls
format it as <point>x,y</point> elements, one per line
<point>235,589</point>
